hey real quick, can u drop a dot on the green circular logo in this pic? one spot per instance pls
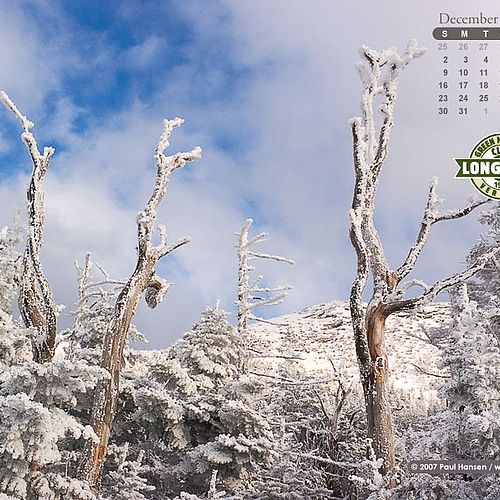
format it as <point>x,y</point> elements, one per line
<point>483,166</point>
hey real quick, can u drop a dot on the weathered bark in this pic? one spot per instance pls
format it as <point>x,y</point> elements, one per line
<point>143,280</point>
<point>36,304</point>
<point>379,77</point>
<point>378,410</point>
<point>107,391</point>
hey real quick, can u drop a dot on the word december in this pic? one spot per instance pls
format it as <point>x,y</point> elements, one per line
<point>445,18</point>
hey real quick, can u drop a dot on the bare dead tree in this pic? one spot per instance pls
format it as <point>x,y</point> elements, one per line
<point>36,303</point>
<point>333,435</point>
<point>88,288</point>
<point>379,72</point>
<point>252,295</point>
<point>143,280</point>
<point>96,295</point>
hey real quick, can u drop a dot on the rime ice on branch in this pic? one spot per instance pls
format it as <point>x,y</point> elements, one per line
<point>36,304</point>
<point>252,295</point>
<point>378,72</point>
<point>142,281</point>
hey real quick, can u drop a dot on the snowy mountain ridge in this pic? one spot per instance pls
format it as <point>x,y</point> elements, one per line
<point>319,337</point>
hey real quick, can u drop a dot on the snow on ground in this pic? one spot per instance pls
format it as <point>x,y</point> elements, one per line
<point>310,341</point>
<point>321,336</point>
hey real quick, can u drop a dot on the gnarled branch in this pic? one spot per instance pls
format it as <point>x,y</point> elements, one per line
<point>36,303</point>
<point>431,216</point>
<point>378,74</point>
<point>142,281</point>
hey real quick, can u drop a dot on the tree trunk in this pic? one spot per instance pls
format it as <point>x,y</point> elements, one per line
<point>107,391</point>
<point>379,73</point>
<point>143,280</point>
<point>377,400</point>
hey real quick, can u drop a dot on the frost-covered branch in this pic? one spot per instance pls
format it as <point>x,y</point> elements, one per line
<point>143,281</point>
<point>88,288</point>
<point>316,458</point>
<point>411,283</point>
<point>84,275</point>
<point>258,255</point>
<point>252,317</point>
<point>260,354</point>
<point>258,239</point>
<point>431,216</point>
<point>425,372</point>
<point>496,263</point>
<point>166,249</point>
<point>212,492</point>
<point>25,123</point>
<point>252,295</point>
<point>270,289</point>
<point>270,301</point>
<point>379,72</point>
<point>286,381</point>
<point>36,303</point>
<point>434,290</point>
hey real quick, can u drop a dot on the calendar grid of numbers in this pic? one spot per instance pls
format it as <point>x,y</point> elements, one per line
<point>468,80</point>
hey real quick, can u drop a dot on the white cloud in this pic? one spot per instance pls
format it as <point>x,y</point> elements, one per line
<point>4,145</point>
<point>293,174</point>
<point>31,63</point>
<point>141,56</point>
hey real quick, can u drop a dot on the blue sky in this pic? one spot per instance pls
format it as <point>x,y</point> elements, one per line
<point>267,89</point>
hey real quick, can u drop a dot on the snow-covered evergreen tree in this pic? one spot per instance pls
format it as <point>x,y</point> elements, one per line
<point>37,431</point>
<point>485,287</point>
<point>486,284</point>
<point>10,237</point>
<point>126,481</point>
<point>196,413</point>
<point>469,427</point>
<point>14,340</point>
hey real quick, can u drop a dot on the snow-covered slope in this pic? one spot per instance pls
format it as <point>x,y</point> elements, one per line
<point>321,336</point>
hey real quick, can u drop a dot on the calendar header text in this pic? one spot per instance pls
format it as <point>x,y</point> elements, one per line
<point>445,18</point>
